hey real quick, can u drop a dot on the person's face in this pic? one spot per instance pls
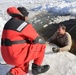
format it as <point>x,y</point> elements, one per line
<point>26,18</point>
<point>61,31</point>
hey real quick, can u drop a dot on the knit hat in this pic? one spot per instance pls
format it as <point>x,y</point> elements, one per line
<point>23,11</point>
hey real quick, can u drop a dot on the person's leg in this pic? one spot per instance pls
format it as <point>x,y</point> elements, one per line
<point>19,70</point>
<point>36,66</point>
<point>26,67</point>
<point>40,58</point>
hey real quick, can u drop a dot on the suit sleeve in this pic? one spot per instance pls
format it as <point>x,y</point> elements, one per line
<point>30,32</point>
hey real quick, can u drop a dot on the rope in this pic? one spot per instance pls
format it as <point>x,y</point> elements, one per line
<point>72,28</point>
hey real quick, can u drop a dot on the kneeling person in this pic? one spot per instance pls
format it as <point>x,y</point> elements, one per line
<point>18,45</point>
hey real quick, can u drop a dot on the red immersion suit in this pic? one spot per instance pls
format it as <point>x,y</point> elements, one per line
<point>17,52</point>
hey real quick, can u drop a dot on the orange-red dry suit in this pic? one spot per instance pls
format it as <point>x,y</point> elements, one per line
<point>17,45</point>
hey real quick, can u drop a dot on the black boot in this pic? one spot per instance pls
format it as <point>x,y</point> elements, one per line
<point>39,69</point>
<point>9,73</point>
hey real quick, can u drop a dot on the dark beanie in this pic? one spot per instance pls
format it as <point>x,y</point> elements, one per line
<point>23,11</point>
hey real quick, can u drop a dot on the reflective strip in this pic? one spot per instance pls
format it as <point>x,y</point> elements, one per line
<point>21,26</point>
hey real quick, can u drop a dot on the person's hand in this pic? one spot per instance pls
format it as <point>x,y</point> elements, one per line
<point>55,49</point>
<point>46,43</point>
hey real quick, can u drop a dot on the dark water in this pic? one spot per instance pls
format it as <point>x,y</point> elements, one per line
<point>48,31</point>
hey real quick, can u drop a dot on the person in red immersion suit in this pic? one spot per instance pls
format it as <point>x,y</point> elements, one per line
<point>21,43</point>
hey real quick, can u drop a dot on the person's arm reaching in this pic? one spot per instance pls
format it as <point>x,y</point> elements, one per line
<point>52,38</point>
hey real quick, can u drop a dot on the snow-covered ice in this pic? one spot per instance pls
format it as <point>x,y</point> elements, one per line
<point>56,6</point>
<point>1,27</point>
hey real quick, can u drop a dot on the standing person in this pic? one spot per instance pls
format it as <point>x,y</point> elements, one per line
<point>20,44</point>
<point>62,39</point>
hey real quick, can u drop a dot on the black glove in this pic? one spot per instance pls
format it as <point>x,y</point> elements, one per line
<point>54,49</point>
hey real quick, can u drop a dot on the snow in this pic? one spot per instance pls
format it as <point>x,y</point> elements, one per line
<point>1,26</point>
<point>58,6</point>
<point>62,63</point>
